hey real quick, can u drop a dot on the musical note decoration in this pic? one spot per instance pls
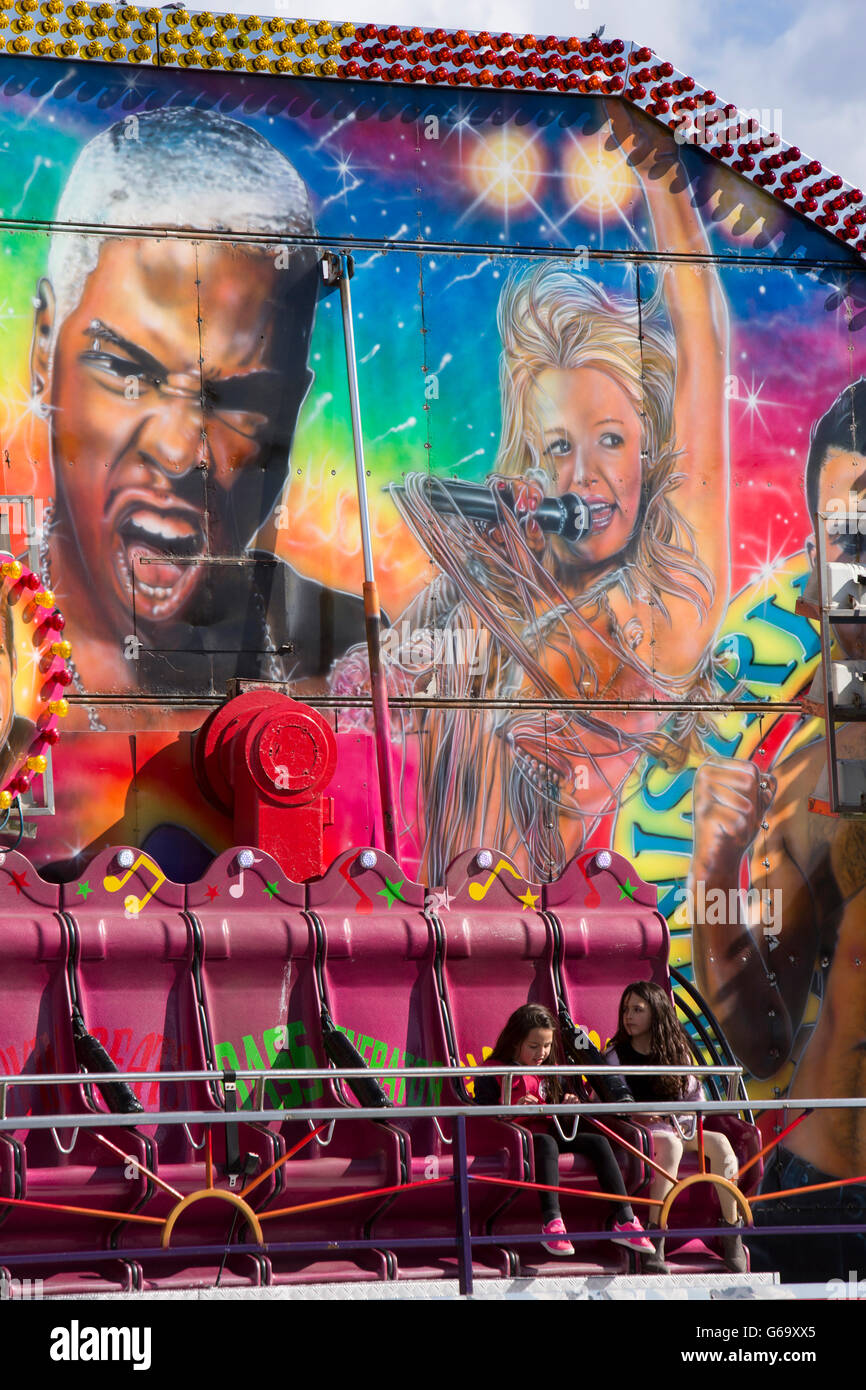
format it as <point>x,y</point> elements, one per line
<point>478,891</point>
<point>132,904</point>
<point>236,890</point>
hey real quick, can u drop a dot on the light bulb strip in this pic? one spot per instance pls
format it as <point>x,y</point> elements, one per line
<point>339,50</point>
<point>23,585</point>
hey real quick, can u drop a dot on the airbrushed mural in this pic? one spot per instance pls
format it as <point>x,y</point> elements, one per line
<point>553,300</point>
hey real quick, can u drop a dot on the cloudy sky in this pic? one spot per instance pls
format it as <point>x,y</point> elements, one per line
<point>801,58</point>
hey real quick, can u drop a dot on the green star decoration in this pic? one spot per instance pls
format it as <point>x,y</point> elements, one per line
<point>83,889</point>
<point>272,889</point>
<point>391,891</point>
<point>626,891</point>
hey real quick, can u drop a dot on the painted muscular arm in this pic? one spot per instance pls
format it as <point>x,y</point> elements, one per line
<point>698,314</point>
<point>757,990</point>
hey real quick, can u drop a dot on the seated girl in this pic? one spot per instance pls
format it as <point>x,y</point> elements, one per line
<point>530,1038</point>
<point>650,1034</point>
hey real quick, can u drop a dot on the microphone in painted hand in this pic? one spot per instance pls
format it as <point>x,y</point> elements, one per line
<point>567,516</point>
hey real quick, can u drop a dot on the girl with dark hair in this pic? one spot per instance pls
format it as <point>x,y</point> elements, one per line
<point>531,1038</point>
<point>650,1034</point>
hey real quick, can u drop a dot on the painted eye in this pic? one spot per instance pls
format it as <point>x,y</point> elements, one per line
<point>556,448</point>
<point>611,440</point>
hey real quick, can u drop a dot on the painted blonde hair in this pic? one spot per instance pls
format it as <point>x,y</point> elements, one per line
<point>554,318</point>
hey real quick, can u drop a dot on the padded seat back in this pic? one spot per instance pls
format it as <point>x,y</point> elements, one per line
<point>35,1005</point>
<point>134,981</point>
<point>257,975</point>
<point>497,954</point>
<point>610,934</point>
<point>378,972</point>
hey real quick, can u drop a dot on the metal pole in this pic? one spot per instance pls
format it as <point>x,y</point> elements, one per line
<point>372,614</point>
<point>461,1198</point>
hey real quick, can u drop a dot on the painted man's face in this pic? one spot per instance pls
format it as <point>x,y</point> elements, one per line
<point>170,412</point>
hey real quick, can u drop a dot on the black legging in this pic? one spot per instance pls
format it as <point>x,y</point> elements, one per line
<point>548,1147</point>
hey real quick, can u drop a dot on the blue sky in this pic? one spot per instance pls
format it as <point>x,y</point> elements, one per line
<point>800,58</point>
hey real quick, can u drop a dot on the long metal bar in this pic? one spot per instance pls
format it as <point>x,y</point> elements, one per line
<point>112,1215</point>
<point>333,1073</point>
<point>372,613</point>
<point>290,1153</point>
<point>440,248</point>
<point>397,1114</point>
<point>484,702</point>
<point>349,1197</point>
<point>355,408</point>
<point>27,1259</point>
<point>461,1202</point>
<point>818,522</point>
<point>773,1142</point>
<point>644,1158</point>
<point>172,1191</point>
<point>812,1187</point>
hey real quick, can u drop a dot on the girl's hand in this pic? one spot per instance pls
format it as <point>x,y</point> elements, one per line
<point>529,1100</point>
<point>570,1099</point>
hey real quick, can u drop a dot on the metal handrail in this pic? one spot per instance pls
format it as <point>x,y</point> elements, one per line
<point>461,1070</point>
<point>408,1112</point>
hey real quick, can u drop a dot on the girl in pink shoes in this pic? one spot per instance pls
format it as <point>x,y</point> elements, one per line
<point>530,1038</point>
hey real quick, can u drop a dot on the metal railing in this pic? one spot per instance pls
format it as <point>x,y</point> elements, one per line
<point>322,1116</point>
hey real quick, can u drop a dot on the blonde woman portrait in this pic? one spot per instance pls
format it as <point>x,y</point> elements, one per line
<point>618,398</point>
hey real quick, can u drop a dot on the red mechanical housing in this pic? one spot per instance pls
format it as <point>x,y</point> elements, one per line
<point>266,760</point>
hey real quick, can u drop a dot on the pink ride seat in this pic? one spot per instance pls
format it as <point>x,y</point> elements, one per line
<point>262,1003</point>
<point>59,1167</point>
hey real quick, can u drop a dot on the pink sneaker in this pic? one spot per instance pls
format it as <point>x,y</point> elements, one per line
<point>556,1247</point>
<point>631,1234</point>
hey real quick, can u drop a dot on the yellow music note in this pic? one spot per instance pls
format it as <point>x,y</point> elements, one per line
<point>479,890</point>
<point>133,905</point>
